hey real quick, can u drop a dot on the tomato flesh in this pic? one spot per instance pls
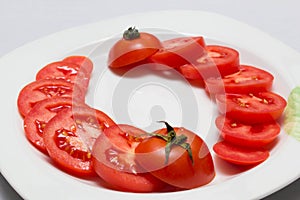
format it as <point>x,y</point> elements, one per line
<point>240,155</point>
<point>114,160</point>
<point>262,107</point>
<point>246,135</point>
<point>180,171</point>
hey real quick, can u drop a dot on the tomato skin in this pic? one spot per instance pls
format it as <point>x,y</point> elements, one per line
<point>39,90</point>
<point>262,107</point>
<point>257,135</point>
<point>119,168</point>
<point>179,172</point>
<point>127,52</point>
<point>179,51</point>
<point>69,136</point>
<point>248,79</point>
<point>239,155</point>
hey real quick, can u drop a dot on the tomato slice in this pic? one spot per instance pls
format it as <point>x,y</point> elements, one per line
<point>179,51</point>
<point>46,88</point>
<point>38,117</point>
<point>219,61</point>
<point>132,48</point>
<point>114,160</point>
<point>240,155</point>
<point>262,107</point>
<point>70,135</point>
<point>66,71</point>
<point>180,171</point>
<point>83,62</point>
<point>248,79</point>
<point>256,135</point>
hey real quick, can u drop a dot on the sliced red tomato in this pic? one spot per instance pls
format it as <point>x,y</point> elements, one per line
<point>114,160</point>
<point>256,135</point>
<point>47,88</point>
<point>179,51</point>
<point>262,107</point>
<point>187,163</point>
<point>240,155</point>
<point>70,135</point>
<point>83,62</point>
<point>38,117</point>
<point>66,71</point>
<point>219,61</point>
<point>248,79</point>
<point>132,48</point>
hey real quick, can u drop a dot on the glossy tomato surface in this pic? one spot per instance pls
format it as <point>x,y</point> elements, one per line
<point>39,90</point>
<point>240,155</point>
<point>262,107</point>
<point>180,171</point>
<point>179,51</point>
<point>256,135</point>
<point>127,51</point>
<point>83,62</point>
<point>70,135</point>
<point>114,160</point>
<point>248,79</point>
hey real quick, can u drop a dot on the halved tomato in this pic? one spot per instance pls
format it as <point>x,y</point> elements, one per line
<point>179,51</point>
<point>218,61</point>
<point>262,107</point>
<point>240,155</point>
<point>114,160</point>
<point>256,135</point>
<point>183,161</point>
<point>248,79</point>
<point>132,48</point>
<point>47,88</point>
<point>70,135</point>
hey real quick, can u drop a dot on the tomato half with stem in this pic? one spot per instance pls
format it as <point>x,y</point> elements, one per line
<point>134,47</point>
<point>248,79</point>
<point>39,90</point>
<point>218,61</point>
<point>178,157</point>
<point>114,160</point>
<point>240,155</point>
<point>262,107</point>
<point>70,135</point>
<point>179,51</point>
<point>256,135</point>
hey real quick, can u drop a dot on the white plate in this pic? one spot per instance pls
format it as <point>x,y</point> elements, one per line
<point>30,173</point>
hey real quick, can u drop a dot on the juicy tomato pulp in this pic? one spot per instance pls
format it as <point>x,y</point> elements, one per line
<point>240,134</point>
<point>262,107</point>
<point>114,160</point>
<point>218,61</point>
<point>36,120</point>
<point>46,88</point>
<point>248,79</point>
<point>240,155</point>
<point>179,51</point>
<point>180,171</point>
<point>70,135</point>
<point>83,62</point>
<point>132,48</point>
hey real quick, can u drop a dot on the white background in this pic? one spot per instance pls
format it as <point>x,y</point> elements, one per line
<point>22,21</point>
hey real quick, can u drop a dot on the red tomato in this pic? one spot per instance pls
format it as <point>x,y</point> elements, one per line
<point>248,79</point>
<point>42,89</point>
<point>70,135</point>
<point>38,117</point>
<point>239,155</point>
<point>132,48</point>
<point>256,135</point>
<point>66,71</point>
<point>262,107</point>
<point>218,61</point>
<point>180,171</point>
<point>83,62</point>
<point>179,51</point>
<point>114,160</point>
